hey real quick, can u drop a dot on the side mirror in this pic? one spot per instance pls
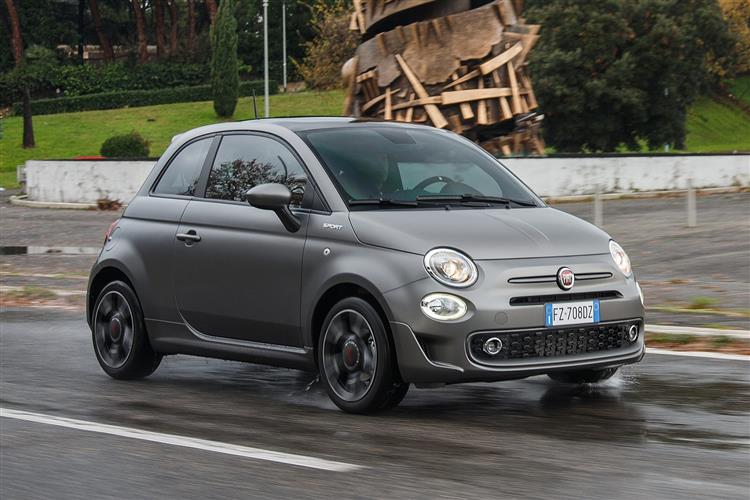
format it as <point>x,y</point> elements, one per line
<point>275,197</point>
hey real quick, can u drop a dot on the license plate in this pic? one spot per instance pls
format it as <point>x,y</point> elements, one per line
<point>571,313</point>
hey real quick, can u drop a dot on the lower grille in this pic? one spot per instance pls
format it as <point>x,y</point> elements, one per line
<point>564,297</point>
<point>551,343</point>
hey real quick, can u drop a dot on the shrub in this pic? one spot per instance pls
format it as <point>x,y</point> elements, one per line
<point>131,145</point>
<point>333,44</point>
<point>134,98</point>
<point>224,77</point>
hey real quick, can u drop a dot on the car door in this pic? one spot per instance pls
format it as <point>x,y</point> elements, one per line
<point>237,269</point>
<point>152,220</point>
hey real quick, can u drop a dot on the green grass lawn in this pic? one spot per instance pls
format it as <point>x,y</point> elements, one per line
<point>81,134</point>
<point>712,126</point>
<point>740,87</point>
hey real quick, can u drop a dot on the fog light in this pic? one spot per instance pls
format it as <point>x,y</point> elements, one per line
<point>633,333</point>
<point>492,346</point>
<point>443,307</point>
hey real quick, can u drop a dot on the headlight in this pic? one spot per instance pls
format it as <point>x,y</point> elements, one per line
<point>443,307</point>
<point>450,267</point>
<point>620,258</point>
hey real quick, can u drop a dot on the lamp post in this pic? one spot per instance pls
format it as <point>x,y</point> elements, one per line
<point>265,59</point>
<point>80,30</point>
<point>283,36</point>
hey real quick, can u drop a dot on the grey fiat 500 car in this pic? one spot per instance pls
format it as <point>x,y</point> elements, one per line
<point>378,254</point>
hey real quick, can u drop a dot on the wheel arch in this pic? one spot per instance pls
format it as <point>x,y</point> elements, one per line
<point>341,290</point>
<point>103,276</point>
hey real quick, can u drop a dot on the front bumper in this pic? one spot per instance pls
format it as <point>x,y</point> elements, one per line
<point>432,352</point>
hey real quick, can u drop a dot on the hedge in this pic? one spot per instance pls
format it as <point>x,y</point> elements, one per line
<point>134,98</point>
<point>74,80</point>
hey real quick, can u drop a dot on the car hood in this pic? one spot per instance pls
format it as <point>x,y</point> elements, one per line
<point>482,234</point>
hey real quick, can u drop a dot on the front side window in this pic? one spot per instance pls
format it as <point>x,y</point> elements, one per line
<point>410,165</point>
<point>184,171</point>
<point>245,161</point>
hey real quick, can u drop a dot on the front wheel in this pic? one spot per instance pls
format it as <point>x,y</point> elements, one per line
<point>120,341</point>
<point>356,359</point>
<point>583,376</point>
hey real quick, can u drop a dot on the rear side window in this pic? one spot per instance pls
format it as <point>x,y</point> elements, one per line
<point>244,161</point>
<point>184,171</point>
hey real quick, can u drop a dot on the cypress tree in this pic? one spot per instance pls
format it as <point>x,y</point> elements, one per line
<point>225,80</point>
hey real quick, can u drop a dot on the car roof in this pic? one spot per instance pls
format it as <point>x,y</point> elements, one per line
<point>294,124</point>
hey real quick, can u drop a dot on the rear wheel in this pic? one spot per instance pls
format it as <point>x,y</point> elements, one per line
<point>119,335</point>
<point>583,376</point>
<point>356,359</point>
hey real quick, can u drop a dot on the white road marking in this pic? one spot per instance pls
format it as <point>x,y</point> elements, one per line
<point>698,354</point>
<point>187,442</point>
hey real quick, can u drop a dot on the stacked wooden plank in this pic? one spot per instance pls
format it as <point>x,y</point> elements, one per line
<point>445,64</point>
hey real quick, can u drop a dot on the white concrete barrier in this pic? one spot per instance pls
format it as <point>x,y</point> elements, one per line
<point>567,176</point>
<point>85,181</point>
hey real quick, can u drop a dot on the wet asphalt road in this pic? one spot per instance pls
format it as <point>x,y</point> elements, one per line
<point>670,427</point>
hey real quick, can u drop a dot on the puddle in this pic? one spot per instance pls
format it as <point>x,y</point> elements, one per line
<point>42,250</point>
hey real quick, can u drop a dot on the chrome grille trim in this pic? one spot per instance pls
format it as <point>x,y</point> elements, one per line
<point>553,278</point>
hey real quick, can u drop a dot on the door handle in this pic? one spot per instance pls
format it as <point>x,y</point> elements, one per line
<point>190,236</point>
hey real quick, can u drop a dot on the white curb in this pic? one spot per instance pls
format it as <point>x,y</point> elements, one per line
<point>697,332</point>
<point>698,354</point>
<point>22,201</point>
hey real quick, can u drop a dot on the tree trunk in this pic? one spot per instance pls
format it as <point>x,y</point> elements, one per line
<point>28,126</point>
<point>161,40</point>
<point>211,4</point>
<point>140,27</point>
<point>109,54</point>
<point>173,27</point>
<point>15,39</point>
<point>191,26</point>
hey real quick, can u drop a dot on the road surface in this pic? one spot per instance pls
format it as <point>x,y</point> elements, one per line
<point>670,427</point>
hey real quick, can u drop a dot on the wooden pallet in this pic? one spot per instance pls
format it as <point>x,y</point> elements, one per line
<point>465,71</point>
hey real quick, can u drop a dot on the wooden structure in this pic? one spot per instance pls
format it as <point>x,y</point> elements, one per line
<point>456,64</point>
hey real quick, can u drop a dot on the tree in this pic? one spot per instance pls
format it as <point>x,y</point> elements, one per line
<point>173,27</point>
<point>332,46</point>
<point>612,73</point>
<point>159,32</point>
<point>737,14</point>
<point>225,80</point>
<point>191,25</point>
<point>36,65</point>
<point>109,54</point>
<point>211,6</point>
<point>15,39</point>
<point>140,28</point>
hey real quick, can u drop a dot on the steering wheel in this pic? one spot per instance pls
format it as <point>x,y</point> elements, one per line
<point>432,180</point>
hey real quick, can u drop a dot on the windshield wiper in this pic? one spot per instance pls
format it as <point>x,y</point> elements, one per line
<point>468,197</point>
<point>383,202</point>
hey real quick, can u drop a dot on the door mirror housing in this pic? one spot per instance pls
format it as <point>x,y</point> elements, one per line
<point>275,197</point>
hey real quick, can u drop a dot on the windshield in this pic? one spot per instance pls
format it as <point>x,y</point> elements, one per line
<point>379,165</point>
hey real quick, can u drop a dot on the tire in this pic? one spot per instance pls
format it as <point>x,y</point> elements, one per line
<point>356,359</point>
<point>119,334</point>
<point>583,376</point>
